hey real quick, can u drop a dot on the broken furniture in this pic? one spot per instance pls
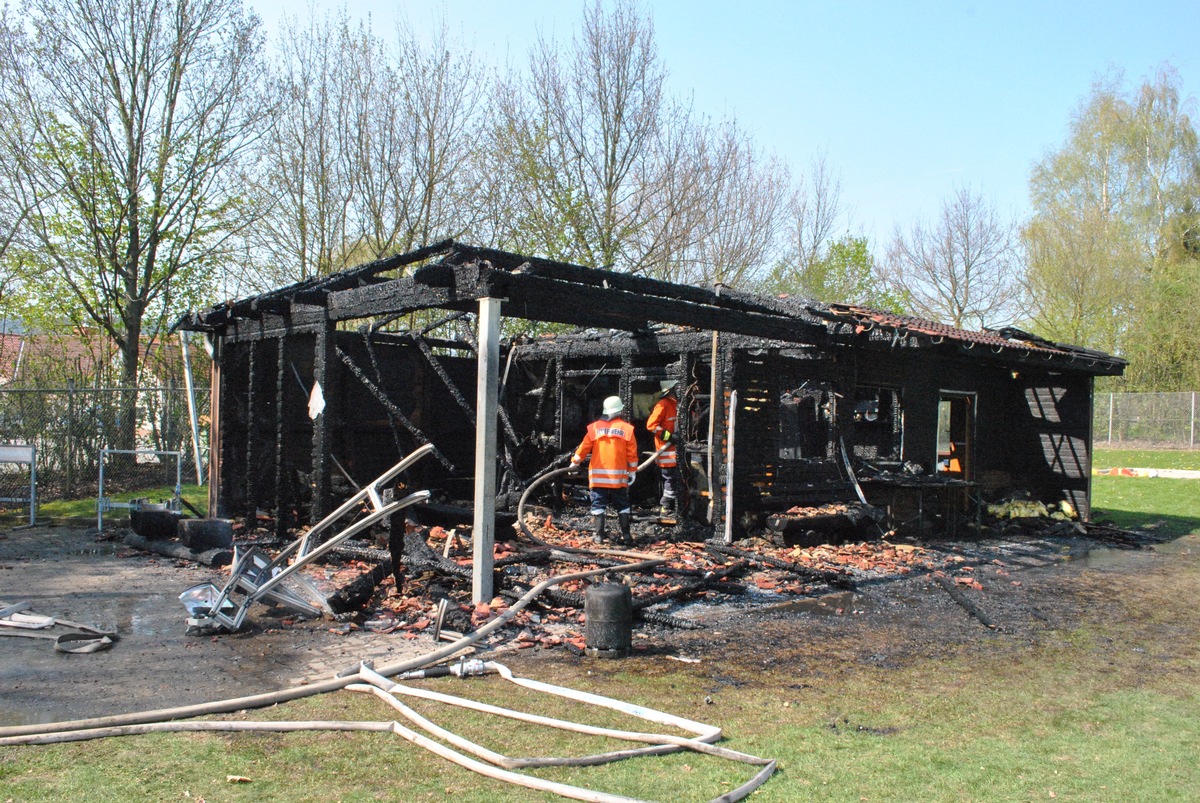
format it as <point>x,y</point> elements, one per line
<point>255,576</point>
<point>916,501</point>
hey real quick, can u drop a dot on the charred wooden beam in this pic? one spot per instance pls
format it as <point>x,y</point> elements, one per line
<point>550,300</point>
<point>322,443</point>
<point>595,277</point>
<point>282,522</point>
<point>423,344</point>
<point>963,602</point>
<point>392,409</point>
<point>418,555</point>
<point>688,589</point>
<point>434,363</point>
<point>316,291</point>
<point>398,296</point>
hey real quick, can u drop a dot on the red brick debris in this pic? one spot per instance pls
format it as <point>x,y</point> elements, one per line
<point>693,572</point>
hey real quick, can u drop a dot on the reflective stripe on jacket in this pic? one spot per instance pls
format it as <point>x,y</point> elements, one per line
<point>614,453</point>
<point>661,419</point>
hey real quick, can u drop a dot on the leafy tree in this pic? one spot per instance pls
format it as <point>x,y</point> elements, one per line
<point>129,124</point>
<point>1112,240</point>
<point>844,271</point>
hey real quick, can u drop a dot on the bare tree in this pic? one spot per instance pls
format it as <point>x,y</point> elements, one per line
<point>815,216</point>
<point>817,213</point>
<point>373,148</point>
<point>731,210</point>
<point>587,139</point>
<point>963,269</point>
<point>305,189</point>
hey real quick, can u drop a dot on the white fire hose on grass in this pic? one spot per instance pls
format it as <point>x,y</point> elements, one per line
<point>161,720</point>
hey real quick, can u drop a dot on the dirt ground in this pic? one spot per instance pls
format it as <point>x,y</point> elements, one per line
<point>1027,587</point>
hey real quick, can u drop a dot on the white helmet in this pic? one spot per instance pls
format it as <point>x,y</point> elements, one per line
<point>666,385</point>
<point>613,405</point>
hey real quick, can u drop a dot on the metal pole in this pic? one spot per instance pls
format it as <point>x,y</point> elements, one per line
<point>100,495</point>
<point>191,399</point>
<point>486,400</point>
<point>1110,415</point>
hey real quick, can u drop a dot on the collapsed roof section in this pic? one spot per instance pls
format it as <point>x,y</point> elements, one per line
<point>453,276</point>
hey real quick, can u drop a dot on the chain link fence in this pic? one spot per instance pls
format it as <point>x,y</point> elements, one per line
<point>1165,420</point>
<point>69,427</point>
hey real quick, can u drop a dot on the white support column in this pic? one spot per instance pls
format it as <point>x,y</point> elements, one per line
<point>487,389</point>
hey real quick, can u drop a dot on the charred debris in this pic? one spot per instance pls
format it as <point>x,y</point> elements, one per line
<point>809,430</point>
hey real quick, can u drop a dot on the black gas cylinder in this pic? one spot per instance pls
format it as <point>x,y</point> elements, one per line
<point>608,610</point>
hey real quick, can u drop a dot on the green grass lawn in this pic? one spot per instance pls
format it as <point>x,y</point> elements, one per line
<point>85,508</point>
<point>1061,719</point>
<point>1165,505</point>
<point>1146,458</point>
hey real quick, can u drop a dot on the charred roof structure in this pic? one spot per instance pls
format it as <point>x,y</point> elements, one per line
<point>784,402</point>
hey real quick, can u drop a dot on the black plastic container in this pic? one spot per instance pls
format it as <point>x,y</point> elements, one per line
<point>608,610</point>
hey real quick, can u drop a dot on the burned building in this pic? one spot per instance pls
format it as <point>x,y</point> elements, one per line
<point>785,403</point>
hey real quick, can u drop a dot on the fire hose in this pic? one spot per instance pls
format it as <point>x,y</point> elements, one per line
<point>366,679</point>
<point>538,481</point>
<point>160,720</point>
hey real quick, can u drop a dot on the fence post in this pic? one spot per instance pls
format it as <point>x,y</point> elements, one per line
<point>1110,416</point>
<point>1192,428</point>
<point>70,438</point>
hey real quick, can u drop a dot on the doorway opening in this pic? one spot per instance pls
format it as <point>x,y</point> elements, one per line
<point>955,434</point>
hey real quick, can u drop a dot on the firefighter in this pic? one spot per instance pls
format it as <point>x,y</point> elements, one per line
<point>662,423</point>
<point>613,448</point>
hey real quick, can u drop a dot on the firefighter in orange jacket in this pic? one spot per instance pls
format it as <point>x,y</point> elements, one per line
<point>662,423</point>
<point>613,448</point>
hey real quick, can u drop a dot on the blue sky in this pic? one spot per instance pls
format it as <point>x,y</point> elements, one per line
<point>907,100</point>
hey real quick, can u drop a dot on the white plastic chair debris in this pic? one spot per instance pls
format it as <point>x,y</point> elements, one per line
<point>254,576</point>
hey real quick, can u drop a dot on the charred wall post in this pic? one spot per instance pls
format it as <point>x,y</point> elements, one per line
<point>324,356</point>
<point>718,443</point>
<point>250,498</point>
<point>282,517</point>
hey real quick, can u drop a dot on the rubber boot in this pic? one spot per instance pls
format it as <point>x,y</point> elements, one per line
<point>625,519</point>
<point>666,506</point>
<point>600,537</point>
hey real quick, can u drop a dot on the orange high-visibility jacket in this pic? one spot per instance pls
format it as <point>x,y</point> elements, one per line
<point>614,453</point>
<point>662,418</point>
